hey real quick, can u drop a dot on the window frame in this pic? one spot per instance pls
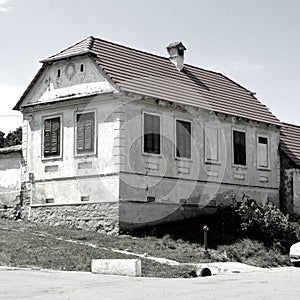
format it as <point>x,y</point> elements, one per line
<point>60,155</point>
<point>232,143</point>
<point>266,136</point>
<point>210,161</point>
<point>95,132</point>
<point>178,119</point>
<point>143,133</point>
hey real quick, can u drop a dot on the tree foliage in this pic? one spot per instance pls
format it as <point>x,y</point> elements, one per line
<point>13,138</point>
<point>262,222</point>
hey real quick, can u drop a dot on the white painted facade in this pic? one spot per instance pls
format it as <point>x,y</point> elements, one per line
<point>10,175</point>
<point>119,169</point>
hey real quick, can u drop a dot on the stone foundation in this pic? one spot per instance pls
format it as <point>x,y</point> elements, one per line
<point>100,217</point>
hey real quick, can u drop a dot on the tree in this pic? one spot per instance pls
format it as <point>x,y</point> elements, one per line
<point>14,137</point>
<point>2,139</point>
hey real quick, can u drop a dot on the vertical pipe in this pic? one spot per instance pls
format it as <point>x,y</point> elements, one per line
<point>205,231</point>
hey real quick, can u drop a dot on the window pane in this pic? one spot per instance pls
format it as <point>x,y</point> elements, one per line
<point>183,139</point>
<point>239,148</point>
<point>151,134</point>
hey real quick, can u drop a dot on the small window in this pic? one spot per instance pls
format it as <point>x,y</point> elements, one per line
<point>262,152</point>
<point>183,139</point>
<point>58,73</point>
<point>151,134</point>
<point>50,200</point>
<point>85,132</point>
<point>81,68</point>
<point>84,198</point>
<point>211,144</point>
<point>239,148</point>
<point>52,137</point>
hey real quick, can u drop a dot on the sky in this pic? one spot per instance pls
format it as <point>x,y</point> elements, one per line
<point>254,42</point>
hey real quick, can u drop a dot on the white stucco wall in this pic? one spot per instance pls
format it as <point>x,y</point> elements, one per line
<point>68,178</point>
<point>173,180</point>
<point>10,177</point>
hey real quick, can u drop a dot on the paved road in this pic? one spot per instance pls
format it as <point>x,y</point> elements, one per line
<point>282,283</point>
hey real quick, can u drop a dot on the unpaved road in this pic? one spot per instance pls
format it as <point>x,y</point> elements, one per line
<point>281,283</point>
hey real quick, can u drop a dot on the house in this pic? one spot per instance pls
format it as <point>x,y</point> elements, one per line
<point>290,168</point>
<point>116,138</point>
<point>10,175</point>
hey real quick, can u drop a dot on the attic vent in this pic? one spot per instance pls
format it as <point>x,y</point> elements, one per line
<point>50,200</point>
<point>84,198</point>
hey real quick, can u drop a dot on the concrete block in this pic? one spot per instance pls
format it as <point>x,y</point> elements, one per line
<point>127,267</point>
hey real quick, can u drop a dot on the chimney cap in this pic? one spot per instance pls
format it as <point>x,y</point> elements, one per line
<point>178,45</point>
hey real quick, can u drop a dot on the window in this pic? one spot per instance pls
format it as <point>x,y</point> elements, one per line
<point>262,152</point>
<point>52,137</point>
<point>151,134</point>
<point>211,144</point>
<point>239,148</point>
<point>85,132</point>
<point>183,139</point>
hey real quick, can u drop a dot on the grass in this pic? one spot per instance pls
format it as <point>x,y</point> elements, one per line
<point>30,245</point>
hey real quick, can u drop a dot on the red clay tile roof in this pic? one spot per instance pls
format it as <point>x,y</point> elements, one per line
<point>151,75</point>
<point>290,141</point>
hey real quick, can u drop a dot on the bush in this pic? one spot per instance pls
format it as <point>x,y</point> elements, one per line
<point>266,223</point>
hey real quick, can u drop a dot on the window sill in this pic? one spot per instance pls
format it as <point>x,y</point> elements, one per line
<point>183,159</point>
<point>152,155</point>
<point>267,169</point>
<point>240,167</point>
<point>85,155</point>
<point>211,162</point>
<point>54,158</point>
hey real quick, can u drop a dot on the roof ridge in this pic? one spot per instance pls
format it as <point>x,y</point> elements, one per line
<point>90,42</point>
<point>290,124</point>
<point>131,48</point>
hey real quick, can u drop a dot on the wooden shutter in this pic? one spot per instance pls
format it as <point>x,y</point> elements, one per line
<point>151,134</point>
<point>262,152</point>
<point>239,148</point>
<point>85,132</point>
<point>52,137</point>
<point>183,139</point>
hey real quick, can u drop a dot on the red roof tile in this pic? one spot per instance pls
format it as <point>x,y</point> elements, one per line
<point>151,75</point>
<point>290,141</point>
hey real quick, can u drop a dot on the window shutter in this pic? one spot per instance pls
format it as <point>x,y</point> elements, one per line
<point>80,136</point>
<point>183,139</point>
<point>52,137</point>
<point>151,134</point>
<point>47,137</point>
<point>262,152</point>
<point>85,132</point>
<point>239,148</point>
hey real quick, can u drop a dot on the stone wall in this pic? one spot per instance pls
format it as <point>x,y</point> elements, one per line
<point>100,217</point>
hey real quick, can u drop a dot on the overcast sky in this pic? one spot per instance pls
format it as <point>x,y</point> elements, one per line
<point>254,42</point>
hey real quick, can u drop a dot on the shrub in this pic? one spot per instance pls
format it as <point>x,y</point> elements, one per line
<point>266,223</point>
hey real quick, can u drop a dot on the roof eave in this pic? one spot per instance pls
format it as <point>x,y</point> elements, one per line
<point>60,57</point>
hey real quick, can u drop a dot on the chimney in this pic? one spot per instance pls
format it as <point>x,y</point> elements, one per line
<point>176,52</point>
